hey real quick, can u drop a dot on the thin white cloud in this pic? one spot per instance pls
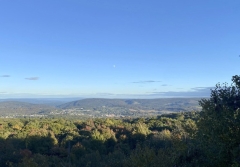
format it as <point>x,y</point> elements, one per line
<point>32,78</point>
<point>147,81</point>
<point>195,92</point>
<point>164,85</point>
<point>5,76</point>
<point>105,94</point>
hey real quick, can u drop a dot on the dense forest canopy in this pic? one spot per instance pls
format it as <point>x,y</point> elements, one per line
<point>207,138</point>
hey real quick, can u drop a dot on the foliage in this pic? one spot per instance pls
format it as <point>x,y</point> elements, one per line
<point>219,124</point>
<point>98,142</point>
<point>207,138</point>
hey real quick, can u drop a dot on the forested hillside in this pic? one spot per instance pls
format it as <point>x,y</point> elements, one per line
<point>22,108</point>
<point>209,138</point>
<point>98,107</point>
<point>138,104</point>
<point>98,142</point>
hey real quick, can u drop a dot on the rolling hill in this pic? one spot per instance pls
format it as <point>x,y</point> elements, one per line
<point>23,108</point>
<point>168,104</point>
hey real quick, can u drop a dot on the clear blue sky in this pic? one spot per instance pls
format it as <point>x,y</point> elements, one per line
<point>117,48</point>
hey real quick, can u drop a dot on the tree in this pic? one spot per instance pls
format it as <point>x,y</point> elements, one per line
<point>219,125</point>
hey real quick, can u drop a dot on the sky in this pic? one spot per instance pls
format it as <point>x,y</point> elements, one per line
<point>117,48</point>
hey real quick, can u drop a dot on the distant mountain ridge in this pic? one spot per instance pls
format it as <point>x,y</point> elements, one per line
<point>47,101</point>
<point>22,108</point>
<point>100,106</point>
<point>159,104</point>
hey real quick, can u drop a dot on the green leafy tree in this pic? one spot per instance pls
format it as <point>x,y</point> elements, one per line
<point>219,125</point>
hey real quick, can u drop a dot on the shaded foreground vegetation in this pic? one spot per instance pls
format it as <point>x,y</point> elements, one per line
<point>207,138</point>
<point>98,142</point>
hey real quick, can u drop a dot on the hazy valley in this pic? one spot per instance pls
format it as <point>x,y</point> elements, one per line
<point>96,107</point>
